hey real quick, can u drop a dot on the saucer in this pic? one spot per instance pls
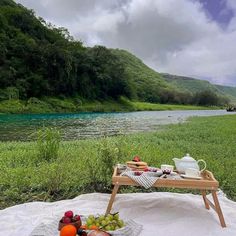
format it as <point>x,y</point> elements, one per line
<point>191,177</point>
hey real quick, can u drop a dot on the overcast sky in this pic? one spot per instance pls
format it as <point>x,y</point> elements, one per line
<point>186,37</point>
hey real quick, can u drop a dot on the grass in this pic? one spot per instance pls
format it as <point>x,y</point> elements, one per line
<point>145,106</point>
<point>72,105</point>
<point>11,106</point>
<point>86,165</point>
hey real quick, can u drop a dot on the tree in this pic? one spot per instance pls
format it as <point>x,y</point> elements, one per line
<point>206,97</point>
<point>13,93</point>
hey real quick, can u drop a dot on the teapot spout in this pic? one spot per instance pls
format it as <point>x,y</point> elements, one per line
<point>175,159</point>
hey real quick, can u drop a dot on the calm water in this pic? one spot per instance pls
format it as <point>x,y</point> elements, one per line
<point>85,125</point>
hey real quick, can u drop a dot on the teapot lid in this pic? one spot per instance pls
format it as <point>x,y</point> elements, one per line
<point>188,158</point>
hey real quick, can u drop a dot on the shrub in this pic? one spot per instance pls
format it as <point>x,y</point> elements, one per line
<point>109,153</point>
<point>48,141</point>
<point>54,177</point>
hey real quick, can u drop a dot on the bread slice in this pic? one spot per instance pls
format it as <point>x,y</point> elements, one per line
<point>136,163</point>
<point>137,167</point>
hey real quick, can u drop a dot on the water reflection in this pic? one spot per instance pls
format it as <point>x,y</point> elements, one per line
<point>86,125</point>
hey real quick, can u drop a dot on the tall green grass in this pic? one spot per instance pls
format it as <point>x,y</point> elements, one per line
<point>145,106</point>
<point>86,165</point>
<point>48,141</point>
<point>72,105</point>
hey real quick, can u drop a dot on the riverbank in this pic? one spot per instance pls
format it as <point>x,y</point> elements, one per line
<point>72,105</point>
<point>26,176</point>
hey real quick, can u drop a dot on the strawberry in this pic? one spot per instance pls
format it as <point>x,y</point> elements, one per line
<point>69,214</point>
<point>136,159</point>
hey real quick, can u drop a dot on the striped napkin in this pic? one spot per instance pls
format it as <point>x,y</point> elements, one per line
<point>145,180</point>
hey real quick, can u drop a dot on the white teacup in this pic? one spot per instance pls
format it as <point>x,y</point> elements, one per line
<point>168,168</point>
<point>192,172</point>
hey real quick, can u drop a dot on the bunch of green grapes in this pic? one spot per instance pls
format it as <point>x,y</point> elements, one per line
<point>108,222</point>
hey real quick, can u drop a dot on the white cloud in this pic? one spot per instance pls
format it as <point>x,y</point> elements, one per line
<point>171,36</point>
<point>231,4</point>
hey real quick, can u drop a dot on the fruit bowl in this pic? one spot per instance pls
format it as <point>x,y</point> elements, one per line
<point>108,223</point>
<point>77,224</point>
<point>70,219</point>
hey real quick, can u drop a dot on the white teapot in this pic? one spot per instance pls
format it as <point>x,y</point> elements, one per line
<point>188,162</point>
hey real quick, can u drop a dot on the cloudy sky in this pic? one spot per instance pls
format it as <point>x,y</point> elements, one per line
<point>186,37</point>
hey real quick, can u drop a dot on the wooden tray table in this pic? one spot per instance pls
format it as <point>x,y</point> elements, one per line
<point>208,182</point>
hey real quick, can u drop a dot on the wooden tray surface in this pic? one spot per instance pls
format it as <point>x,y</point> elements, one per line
<point>208,182</point>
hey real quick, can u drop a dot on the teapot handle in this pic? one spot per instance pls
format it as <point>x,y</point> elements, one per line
<point>201,160</point>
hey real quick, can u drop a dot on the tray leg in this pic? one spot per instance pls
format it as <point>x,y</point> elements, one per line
<point>205,199</point>
<point>218,209</point>
<point>112,198</point>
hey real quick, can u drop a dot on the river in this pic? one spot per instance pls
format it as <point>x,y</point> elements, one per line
<point>86,125</point>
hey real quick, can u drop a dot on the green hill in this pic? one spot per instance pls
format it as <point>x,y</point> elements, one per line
<point>193,85</point>
<point>228,91</point>
<point>43,66</point>
<point>147,80</point>
<point>37,59</point>
<point>147,83</point>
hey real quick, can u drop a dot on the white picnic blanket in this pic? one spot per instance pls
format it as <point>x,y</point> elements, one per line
<point>160,213</point>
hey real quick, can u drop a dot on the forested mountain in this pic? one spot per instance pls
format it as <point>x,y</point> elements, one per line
<point>195,85</point>
<point>38,60</point>
<point>177,89</point>
<point>147,82</point>
<point>230,92</point>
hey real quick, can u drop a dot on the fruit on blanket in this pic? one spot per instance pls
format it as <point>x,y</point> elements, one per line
<point>94,227</point>
<point>121,223</point>
<point>108,222</point>
<point>136,159</point>
<point>76,218</point>
<point>116,216</point>
<point>68,230</point>
<point>69,214</point>
<point>84,227</point>
<point>98,233</point>
<point>81,232</point>
<point>66,220</point>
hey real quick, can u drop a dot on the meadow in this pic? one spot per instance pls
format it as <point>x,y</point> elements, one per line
<point>49,169</point>
<point>71,105</point>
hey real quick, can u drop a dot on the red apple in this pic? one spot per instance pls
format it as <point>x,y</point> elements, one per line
<point>69,214</point>
<point>77,217</point>
<point>66,220</point>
